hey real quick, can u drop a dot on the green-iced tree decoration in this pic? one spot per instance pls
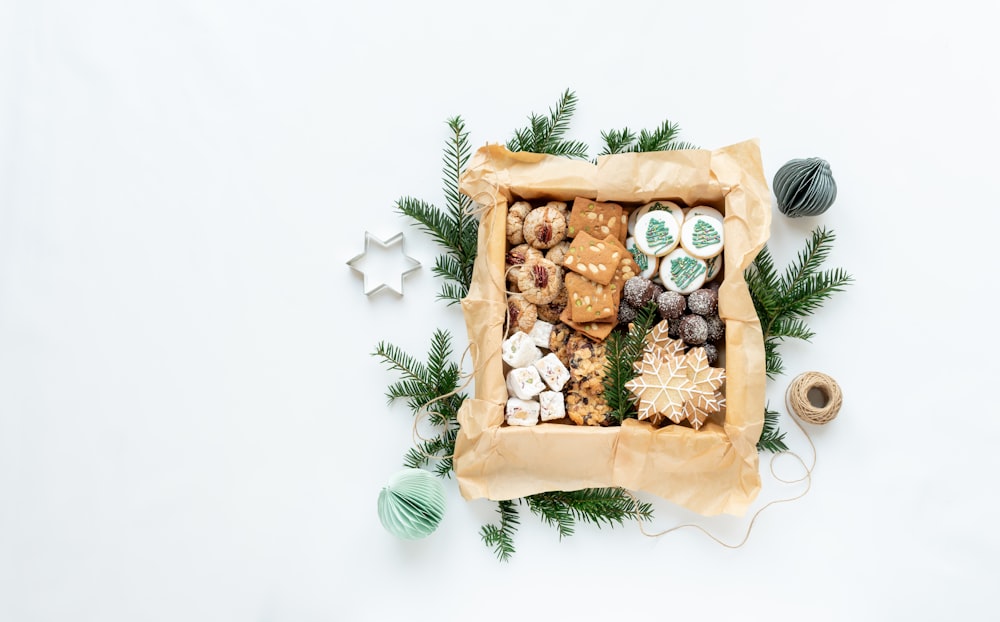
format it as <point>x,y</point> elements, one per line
<point>704,234</point>
<point>658,235</point>
<point>684,270</point>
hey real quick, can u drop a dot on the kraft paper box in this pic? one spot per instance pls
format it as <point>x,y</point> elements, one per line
<point>710,471</point>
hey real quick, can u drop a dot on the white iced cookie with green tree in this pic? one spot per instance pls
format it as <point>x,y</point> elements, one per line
<point>647,263</point>
<point>657,233</point>
<point>702,236</point>
<point>682,273</point>
<point>669,206</point>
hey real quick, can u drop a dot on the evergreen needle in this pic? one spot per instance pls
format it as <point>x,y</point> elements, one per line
<point>453,228</point>
<point>784,301</point>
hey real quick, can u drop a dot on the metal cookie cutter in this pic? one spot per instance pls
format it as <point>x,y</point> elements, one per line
<point>358,262</point>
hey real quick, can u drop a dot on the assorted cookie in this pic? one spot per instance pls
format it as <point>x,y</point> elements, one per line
<point>576,273</point>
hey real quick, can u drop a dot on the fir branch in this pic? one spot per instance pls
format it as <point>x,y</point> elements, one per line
<point>501,536</point>
<point>617,141</point>
<point>771,438</point>
<point>424,387</point>
<point>554,511</point>
<point>794,328</point>
<point>774,365</point>
<point>597,506</point>
<point>623,349</point>
<point>663,138</point>
<point>782,303</point>
<point>455,229</point>
<point>659,139</point>
<point>400,361</point>
<point>545,134</point>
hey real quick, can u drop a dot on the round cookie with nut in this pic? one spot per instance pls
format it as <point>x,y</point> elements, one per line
<point>516,257</point>
<point>522,313</point>
<point>544,227</point>
<point>516,214</point>
<point>551,311</point>
<point>540,280</point>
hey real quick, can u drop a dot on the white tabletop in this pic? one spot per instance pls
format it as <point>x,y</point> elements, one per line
<point>192,426</point>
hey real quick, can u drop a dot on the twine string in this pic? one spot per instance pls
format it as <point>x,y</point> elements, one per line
<point>797,397</point>
<point>476,209</point>
<point>797,391</point>
<point>424,410</point>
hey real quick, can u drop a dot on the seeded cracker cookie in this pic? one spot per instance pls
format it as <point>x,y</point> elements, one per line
<point>590,301</point>
<point>515,221</point>
<point>544,227</point>
<point>540,281</point>
<point>597,219</point>
<point>595,259</point>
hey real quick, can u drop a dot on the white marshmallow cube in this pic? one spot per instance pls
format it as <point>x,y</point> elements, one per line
<point>522,412</point>
<point>541,332</point>
<point>519,350</point>
<point>553,405</point>
<point>552,371</point>
<point>524,382</point>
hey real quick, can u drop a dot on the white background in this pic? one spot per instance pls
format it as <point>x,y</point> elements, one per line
<point>192,426</point>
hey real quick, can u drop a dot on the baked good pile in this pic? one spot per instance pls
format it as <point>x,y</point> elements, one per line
<point>575,273</point>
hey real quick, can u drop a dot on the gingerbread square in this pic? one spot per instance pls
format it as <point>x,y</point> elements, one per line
<point>597,219</point>
<point>593,258</point>
<point>590,301</point>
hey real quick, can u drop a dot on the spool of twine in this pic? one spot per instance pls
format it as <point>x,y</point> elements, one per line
<point>825,402</point>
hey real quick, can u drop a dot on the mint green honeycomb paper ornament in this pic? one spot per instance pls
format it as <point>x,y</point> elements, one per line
<point>412,504</point>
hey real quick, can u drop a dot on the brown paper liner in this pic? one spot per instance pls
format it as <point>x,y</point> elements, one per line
<point>709,471</point>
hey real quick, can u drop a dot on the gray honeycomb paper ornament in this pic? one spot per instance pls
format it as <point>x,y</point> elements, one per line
<point>804,187</point>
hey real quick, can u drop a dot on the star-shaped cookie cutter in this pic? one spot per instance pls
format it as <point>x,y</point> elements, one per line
<point>356,263</point>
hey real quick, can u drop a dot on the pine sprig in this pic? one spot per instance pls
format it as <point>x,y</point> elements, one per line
<point>597,506</point>
<point>623,349</point>
<point>501,536</point>
<point>783,302</point>
<point>456,229</point>
<point>420,385</point>
<point>545,134</point>
<point>625,140</point>
<point>562,510</point>
<point>771,438</point>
